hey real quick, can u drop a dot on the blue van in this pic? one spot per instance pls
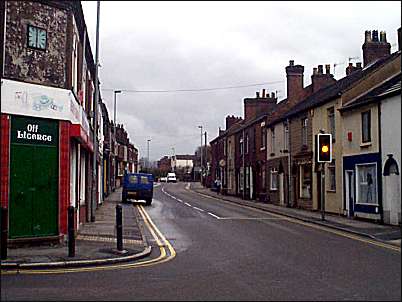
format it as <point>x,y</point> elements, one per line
<point>138,186</point>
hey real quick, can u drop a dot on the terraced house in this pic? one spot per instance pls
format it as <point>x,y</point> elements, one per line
<point>363,178</point>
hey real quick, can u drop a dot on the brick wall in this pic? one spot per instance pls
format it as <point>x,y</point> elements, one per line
<point>46,67</point>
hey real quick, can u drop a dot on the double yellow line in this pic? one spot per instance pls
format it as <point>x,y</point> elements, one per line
<point>165,255</point>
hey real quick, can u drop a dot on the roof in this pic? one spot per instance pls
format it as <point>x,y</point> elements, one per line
<point>328,93</point>
<point>389,87</point>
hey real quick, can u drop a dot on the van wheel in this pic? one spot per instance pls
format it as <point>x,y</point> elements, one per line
<point>148,202</point>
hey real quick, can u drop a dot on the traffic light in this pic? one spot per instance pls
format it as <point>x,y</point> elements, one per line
<point>324,148</point>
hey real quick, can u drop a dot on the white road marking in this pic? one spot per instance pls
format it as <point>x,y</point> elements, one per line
<point>198,209</point>
<point>186,203</point>
<point>252,218</point>
<point>213,215</point>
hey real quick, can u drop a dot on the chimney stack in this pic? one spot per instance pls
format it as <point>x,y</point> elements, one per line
<point>374,48</point>
<point>350,69</point>
<point>254,107</point>
<point>319,79</point>
<point>294,75</point>
<point>263,93</point>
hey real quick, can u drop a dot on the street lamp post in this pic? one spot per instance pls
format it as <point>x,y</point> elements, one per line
<point>201,155</point>
<point>114,131</point>
<point>148,155</point>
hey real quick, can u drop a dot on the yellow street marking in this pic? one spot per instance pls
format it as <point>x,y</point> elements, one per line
<point>162,258</point>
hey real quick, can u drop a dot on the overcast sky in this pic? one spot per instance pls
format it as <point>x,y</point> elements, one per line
<point>196,45</point>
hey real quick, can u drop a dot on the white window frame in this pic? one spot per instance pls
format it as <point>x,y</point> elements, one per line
<point>247,143</point>
<point>241,145</point>
<point>329,168</point>
<point>357,184</point>
<point>331,121</point>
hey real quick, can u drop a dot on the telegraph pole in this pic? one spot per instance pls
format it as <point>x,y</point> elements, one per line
<point>95,121</point>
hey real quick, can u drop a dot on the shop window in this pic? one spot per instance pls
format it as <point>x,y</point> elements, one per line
<point>305,181</point>
<point>366,184</point>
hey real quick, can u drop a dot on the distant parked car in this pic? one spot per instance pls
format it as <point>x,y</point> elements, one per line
<point>171,177</point>
<point>163,179</point>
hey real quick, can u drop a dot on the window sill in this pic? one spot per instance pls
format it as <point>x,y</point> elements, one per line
<point>365,145</point>
<point>262,148</point>
<point>331,191</point>
<point>273,190</point>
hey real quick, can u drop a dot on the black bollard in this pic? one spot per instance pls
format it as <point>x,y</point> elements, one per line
<point>119,227</point>
<point>4,232</point>
<point>71,232</point>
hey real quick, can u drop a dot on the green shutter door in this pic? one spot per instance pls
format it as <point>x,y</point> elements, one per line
<point>21,191</point>
<point>34,179</point>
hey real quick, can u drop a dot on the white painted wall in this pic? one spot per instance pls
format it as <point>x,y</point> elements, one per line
<point>391,144</point>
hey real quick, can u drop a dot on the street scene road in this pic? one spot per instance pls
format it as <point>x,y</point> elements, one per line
<point>229,252</point>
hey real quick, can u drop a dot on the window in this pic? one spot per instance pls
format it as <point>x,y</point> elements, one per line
<point>366,126</point>
<point>331,177</point>
<point>37,37</point>
<point>144,180</point>
<point>367,183</point>
<point>74,64</point>
<point>286,136</point>
<point>263,138</point>
<point>331,121</point>
<point>224,147</point>
<point>241,179</point>
<point>305,181</point>
<point>304,131</point>
<point>272,140</point>
<point>133,179</point>
<point>274,179</point>
<point>241,145</point>
<point>247,143</point>
<point>263,180</point>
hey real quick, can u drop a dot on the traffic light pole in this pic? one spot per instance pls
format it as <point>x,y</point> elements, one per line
<point>322,191</point>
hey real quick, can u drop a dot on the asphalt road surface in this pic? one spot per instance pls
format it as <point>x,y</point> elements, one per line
<point>229,252</point>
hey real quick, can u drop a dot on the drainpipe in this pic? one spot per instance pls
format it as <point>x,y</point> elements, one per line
<point>379,179</point>
<point>289,178</point>
<point>244,171</point>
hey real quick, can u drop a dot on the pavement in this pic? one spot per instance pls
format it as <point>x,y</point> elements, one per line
<point>95,242</point>
<point>376,231</point>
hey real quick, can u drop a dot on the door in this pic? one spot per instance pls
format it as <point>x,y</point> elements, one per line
<point>34,178</point>
<point>281,190</point>
<point>350,192</point>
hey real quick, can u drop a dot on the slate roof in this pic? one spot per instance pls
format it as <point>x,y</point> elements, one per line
<point>328,93</point>
<point>390,87</point>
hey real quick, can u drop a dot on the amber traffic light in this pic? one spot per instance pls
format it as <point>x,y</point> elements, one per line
<point>324,148</point>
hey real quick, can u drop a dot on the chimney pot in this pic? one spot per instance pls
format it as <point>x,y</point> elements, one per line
<point>257,94</point>
<point>291,63</point>
<point>375,36</point>
<point>320,70</point>
<point>314,70</point>
<point>383,37</point>
<point>359,65</point>
<point>367,36</point>
<point>327,68</point>
<point>263,93</point>
<point>273,95</point>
